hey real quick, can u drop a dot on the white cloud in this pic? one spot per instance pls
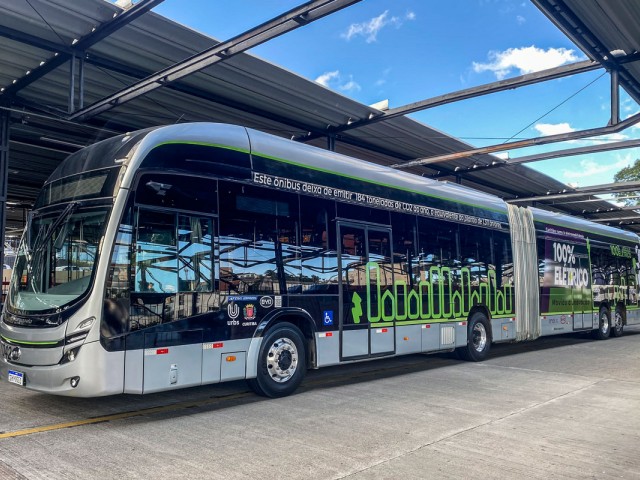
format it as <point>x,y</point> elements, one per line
<point>635,126</point>
<point>326,77</point>
<point>553,128</point>
<point>520,19</point>
<point>336,81</point>
<point>591,168</point>
<point>612,137</point>
<point>410,16</point>
<point>525,60</point>
<point>371,28</point>
<point>627,105</point>
<point>350,86</point>
<point>383,78</point>
<point>546,129</point>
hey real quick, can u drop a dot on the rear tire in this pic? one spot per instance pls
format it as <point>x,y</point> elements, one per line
<point>617,326</point>
<point>282,362</point>
<point>478,339</point>
<point>604,327</point>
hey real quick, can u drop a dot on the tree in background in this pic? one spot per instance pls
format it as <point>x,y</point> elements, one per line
<point>629,174</point>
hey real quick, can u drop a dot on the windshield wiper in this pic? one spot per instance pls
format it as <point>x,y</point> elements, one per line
<point>34,265</point>
<point>40,243</point>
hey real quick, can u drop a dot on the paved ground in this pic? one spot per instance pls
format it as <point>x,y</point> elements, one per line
<point>566,407</point>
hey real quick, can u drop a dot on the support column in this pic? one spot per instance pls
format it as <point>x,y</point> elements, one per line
<point>615,99</point>
<point>81,82</point>
<point>4,174</point>
<point>331,143</point>
<point>72,83</point>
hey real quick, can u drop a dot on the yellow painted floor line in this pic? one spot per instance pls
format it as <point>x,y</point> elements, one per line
<point>192,404</point>
<point>120,416</point>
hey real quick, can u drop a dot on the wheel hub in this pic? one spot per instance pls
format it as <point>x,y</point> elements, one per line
<point>604,323</point>
<point>618,321</point>
<point>479,337</point>
<point>282,360</point>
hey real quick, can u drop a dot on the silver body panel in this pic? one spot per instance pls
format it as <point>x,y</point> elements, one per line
<point>633,317</point>
<point>101,373</point>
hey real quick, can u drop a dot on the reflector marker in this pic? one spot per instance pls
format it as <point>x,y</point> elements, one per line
<point>155,351</point>
<point>325,334</point>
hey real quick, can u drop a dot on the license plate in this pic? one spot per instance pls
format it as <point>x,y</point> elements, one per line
<point>15,377</point>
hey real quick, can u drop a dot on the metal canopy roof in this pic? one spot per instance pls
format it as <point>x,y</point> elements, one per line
<point>604,30</point>
<point>243,90</point>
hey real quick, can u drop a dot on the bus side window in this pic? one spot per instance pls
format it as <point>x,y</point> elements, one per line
<point>156,268</point>
<point>195,271</point>
<point>319,258</point>
<point>258,239</point>
<point>404,246</point>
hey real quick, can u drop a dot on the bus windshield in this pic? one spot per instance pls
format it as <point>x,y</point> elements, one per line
<point>56,258</point>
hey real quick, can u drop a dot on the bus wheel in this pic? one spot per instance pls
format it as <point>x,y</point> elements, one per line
<point>618,323</point>
<point>478,339</point>
<point>281,363</point>
<point>604,328</point>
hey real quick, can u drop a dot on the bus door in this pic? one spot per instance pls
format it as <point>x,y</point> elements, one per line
<point>174,280</point>
<point>581,284</point>
<point>366,291</point>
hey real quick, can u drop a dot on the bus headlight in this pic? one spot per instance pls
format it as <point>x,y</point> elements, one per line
<point>70,355</point>
<point>85,324</point>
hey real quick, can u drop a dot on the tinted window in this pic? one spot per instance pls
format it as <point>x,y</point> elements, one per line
<point>258,240</point>
<point>363,214</point>
<point>319,259</point>
<point>178,192</point>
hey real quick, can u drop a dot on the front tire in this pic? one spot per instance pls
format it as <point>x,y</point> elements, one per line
<point>478,339</point>
<point>282,362</point>
<point>618,323</point>
<point>604,327</point>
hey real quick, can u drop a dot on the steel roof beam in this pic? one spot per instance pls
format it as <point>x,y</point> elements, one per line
<point>615,219</point>
<point>63,53</point>
<point>600,211</point>
<point>546,156</point>
<point>291,20</point>
<point>616,187</point>
<point>562,137</point>
<point>195,92</point>
<point>32,40</point>
<point>590,200</point>
<point>486,89</point>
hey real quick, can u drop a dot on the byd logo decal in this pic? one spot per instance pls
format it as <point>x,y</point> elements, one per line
<point>266,302</point>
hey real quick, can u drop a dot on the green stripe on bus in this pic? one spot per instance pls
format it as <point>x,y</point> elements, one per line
<point>24,342</point>
<point>204,144</point>
<point>325,170</point>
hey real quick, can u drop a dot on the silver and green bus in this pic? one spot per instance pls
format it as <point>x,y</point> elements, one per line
<point>199,253</point>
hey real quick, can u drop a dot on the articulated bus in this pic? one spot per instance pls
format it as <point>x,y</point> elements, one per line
<point>199,253</point>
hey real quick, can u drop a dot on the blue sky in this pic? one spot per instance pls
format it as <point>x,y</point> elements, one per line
<point>410,50</point>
